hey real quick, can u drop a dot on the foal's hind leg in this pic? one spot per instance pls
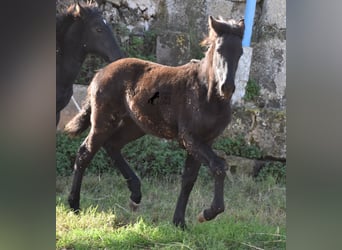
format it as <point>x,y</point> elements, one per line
<point>133,181</point>
<point>127,133</point>
<point>86,152</point>
<point>188,180</point>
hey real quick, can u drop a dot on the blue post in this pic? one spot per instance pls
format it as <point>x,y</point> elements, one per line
<point>249,18</point>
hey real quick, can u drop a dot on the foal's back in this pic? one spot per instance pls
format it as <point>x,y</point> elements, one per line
<point>152,94</point>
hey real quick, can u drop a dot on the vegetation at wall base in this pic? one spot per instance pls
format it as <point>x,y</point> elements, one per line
<point>66,149</point>
<point>275,169</point>
<point>152,156</point>
<point>239,147</point>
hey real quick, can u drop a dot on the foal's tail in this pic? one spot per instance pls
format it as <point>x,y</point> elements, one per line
<point>80,122</point>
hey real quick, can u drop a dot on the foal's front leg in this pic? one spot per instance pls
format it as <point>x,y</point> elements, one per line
<point>189,177</point>
<point>203,152</point>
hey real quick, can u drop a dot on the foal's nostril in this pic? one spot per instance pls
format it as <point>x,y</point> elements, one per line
<point>228,88</point>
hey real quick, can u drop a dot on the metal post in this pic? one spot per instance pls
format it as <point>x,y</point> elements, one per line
<point>249,19</point>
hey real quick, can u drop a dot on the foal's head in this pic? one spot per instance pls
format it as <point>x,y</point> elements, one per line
<point>225,41</point>
<point>95,34</point>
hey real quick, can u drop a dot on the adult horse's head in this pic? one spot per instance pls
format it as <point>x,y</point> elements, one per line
<point>225,41</point>
<point>96,35</point>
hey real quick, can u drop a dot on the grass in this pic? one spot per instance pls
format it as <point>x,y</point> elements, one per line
<point>254,217</point>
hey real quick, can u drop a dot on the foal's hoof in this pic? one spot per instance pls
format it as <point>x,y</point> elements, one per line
<point>201,217</point>
<point>179,223</point>
<point>133,206</point>
<point>77,211</point>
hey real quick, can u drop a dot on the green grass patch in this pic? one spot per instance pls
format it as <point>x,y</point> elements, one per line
<point>254,216</point>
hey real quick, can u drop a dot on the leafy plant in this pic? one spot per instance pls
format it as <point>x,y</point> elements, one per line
<point>148,155</point>
<point>252,90</point>
<point>196,50</point>
<point>91,64</point>
<point>66,149</point>
<point>239,147</point>
<point>276,170</point>
<point>142,46</point>
<point>152,156</point>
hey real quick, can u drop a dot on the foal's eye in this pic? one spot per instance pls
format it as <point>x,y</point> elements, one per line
<point>98,29</point>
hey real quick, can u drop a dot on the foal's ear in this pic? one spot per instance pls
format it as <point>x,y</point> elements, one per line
<point>216,25</point>
<point>241,24</point>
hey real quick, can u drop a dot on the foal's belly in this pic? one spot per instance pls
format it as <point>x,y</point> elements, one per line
<point>153,115</point>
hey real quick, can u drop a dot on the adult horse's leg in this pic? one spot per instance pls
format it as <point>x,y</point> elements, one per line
<point>189,177</point>
<point>58,114</point>
<point>217,165</point>
<point>63,96</point>
<point>125,134</point>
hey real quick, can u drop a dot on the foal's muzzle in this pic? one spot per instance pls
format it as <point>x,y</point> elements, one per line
<point>227,90</point>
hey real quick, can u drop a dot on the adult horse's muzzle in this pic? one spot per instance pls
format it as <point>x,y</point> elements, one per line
<point>114,56</point>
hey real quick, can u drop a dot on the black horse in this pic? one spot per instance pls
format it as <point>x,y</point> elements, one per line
<point>124,102</point>
<point>79,31</point>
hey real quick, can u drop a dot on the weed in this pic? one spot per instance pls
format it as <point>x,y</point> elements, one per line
<point>252,90</point>
<point>149,155</point>
<point>152,156</point>
<point>141,46</point>
<point>239,147</point>
<point>66,149</point>
<point>91,64</point>
<point>275,169</point>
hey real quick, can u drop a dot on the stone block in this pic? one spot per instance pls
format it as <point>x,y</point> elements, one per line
<point>274,13</point>
<point>240,165</point>
<point>218,8</point>
<point>268,68</point>
<point>173,48</point>
<point>265,128</point>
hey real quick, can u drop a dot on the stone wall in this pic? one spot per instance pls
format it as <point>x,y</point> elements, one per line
<point>180,25</point>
